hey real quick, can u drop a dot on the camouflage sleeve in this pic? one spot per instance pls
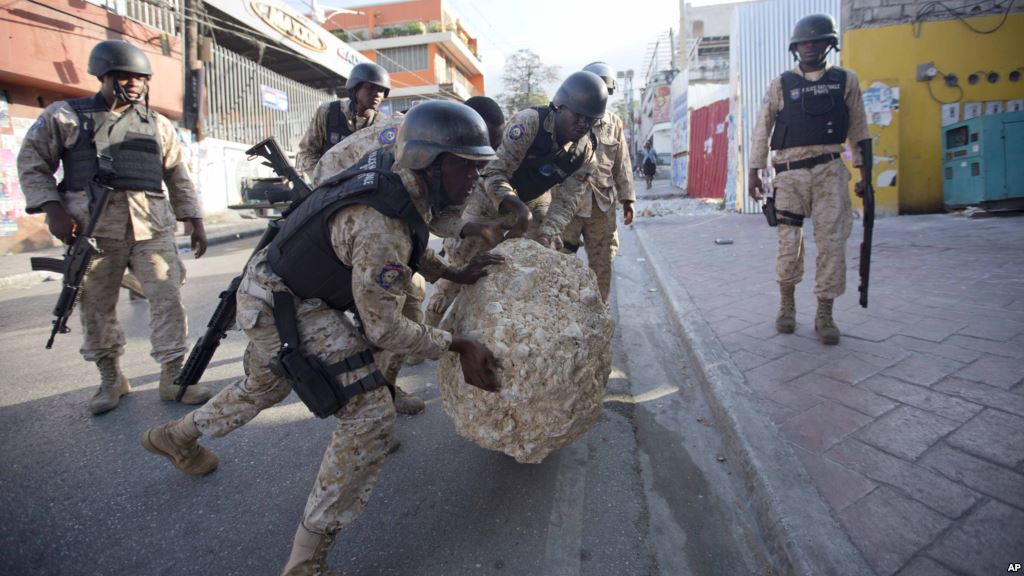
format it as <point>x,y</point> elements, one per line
<point>622,170</point>
<point>310,145</point>
<point>519,133</point>
<point>55,130</point>
<point>377,248</point>
<point>448,223</point>
<point>858,117</point>
<point>566,196</point>
<point>770,106</point>
<point>431,266</point>
<point>181,191</point>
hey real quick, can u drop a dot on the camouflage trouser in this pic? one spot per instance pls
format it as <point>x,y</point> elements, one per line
<point>156,265</point>
<point>819,193</point>
<point>459,251</point>
<point>415,293</point>
<point>600,241</point>
<point>355,455</point>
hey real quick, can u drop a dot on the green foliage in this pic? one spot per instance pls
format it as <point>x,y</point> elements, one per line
<point>434,26</point>
<point>525,79</point>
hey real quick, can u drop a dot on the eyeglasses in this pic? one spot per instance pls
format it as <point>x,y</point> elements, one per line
<point>578,118</point>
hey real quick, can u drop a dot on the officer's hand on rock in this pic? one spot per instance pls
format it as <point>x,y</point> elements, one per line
<point>479,366</point>
<point>543,240</point>
<point>491,232</point>
<point>754,185</point>
<point>512,203</point>
<point>198,236</point>
<point>59,221</point>
<point>477,268</point>
<point>627,212</point>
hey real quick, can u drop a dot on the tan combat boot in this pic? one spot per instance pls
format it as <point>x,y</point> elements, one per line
<point>785,322</point>
<point>178,442</point>
<point>309,553</point>
<point>113,385</point>
<point>194,394</point>
<point>408,404</point>
<point>824,325</point>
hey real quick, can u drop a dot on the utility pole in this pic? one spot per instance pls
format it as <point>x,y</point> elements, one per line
<point>194,84</point>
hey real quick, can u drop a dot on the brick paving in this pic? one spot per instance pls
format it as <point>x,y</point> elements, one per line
<point>912,429</point>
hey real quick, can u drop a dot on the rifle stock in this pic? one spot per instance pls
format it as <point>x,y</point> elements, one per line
<point>224,316</point>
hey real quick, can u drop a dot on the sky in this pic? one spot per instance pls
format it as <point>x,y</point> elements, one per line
<point>566,33</point>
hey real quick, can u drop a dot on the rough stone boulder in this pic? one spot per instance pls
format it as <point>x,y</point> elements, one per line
<point>541,315</point>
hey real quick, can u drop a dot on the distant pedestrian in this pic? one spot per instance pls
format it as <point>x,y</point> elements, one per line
<point>808,113</point>
<point>649,162</point>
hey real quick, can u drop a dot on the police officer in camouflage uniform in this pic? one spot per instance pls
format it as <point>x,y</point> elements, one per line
<point>136,227</point>
<point>806,116</point>
<point>595,216</point>
<point>368,85</point>
<point>348,249</point>
<point>544,163</point>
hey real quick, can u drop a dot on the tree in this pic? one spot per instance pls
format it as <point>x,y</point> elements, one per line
<point>620,109</point>
<point>525,78</point>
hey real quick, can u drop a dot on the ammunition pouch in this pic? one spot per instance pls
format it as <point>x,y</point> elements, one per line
<point>316,383</point>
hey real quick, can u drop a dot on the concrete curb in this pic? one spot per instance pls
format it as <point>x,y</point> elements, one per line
<point>230,234</point>
<point>801,533</point>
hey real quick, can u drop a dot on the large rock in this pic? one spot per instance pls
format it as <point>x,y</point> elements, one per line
<point>542,316</point>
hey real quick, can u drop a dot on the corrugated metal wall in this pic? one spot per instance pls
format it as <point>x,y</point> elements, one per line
<point>236,112</point>
<point>762,39</point>
<point>709,150</point>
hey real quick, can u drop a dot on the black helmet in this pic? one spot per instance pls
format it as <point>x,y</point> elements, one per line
<point>368,72</point>
<point>814,27</point>
<point>118,56</point>
<point>437,126</point>
<point>606,73</point>
<point>584,93</point>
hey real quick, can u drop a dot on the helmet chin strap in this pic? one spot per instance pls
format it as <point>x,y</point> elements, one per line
<point>815,63</point>
<point>122,95</point>
<point>435,195</point>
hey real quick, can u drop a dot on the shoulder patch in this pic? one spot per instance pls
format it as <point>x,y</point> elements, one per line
<point>516,131</point>
<point>390,275</point>
<point>388,136</point>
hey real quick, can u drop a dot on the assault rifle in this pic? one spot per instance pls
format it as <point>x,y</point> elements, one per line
<point>224,316</point>
<point>77,259</point>
<point>869,223</point>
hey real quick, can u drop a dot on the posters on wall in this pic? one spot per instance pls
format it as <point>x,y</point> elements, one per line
<point>680,128</point>
<point>662,104</point>
<point>12,201</point>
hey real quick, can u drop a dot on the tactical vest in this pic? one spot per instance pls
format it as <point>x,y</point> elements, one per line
<point>813,113</point>
<point>134,147</point>
<point>546,165</point>
<point>302,253</point>
<point>337,126</point>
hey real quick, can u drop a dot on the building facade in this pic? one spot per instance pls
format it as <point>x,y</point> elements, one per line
<point>422,43</point>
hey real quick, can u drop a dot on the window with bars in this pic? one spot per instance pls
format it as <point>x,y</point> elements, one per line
<point>404,58</point>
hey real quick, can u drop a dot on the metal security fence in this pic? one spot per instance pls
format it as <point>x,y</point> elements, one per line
<point>164,15</point>
<point>244,102</point>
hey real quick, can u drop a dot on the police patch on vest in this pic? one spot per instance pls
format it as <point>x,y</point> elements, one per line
<point>390,275</point>
<point>516,132</point>
<point>388,136</point>
<point>794,94</point>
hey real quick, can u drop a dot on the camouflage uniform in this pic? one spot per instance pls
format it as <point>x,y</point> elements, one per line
<point>820,192</point>
<point>135,230</point>
<point>372,244</point>
<point>551,210</point>
<point>595,216</point>
<point>311,145</point>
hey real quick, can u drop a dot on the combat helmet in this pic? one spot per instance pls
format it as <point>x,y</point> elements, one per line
<point>438,126</point>
<point>118,56</point>
<point>368,72</point>
<point>814,27</point>
<point>584,93</point>
<point>606,73</point>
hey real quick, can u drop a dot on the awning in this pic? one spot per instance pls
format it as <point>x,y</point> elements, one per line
<point>320,58</point>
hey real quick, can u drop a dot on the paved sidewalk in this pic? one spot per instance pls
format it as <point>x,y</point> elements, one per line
<point>16,271</point>
<point>912,429</point>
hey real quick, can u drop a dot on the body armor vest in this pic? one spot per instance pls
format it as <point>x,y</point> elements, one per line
<point>546,166</point>
<point>337,126</point>
<point>302,253</point>
<point>134,147</point>
<point>814,112</point>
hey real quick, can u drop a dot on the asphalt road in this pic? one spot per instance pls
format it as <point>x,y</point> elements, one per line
<point>645,492</point>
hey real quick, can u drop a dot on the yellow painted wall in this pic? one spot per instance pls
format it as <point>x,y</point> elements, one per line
<point>892,53</point>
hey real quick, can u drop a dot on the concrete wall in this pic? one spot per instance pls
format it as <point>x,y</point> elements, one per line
<point>883,46</point>
<point>874,13</point>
